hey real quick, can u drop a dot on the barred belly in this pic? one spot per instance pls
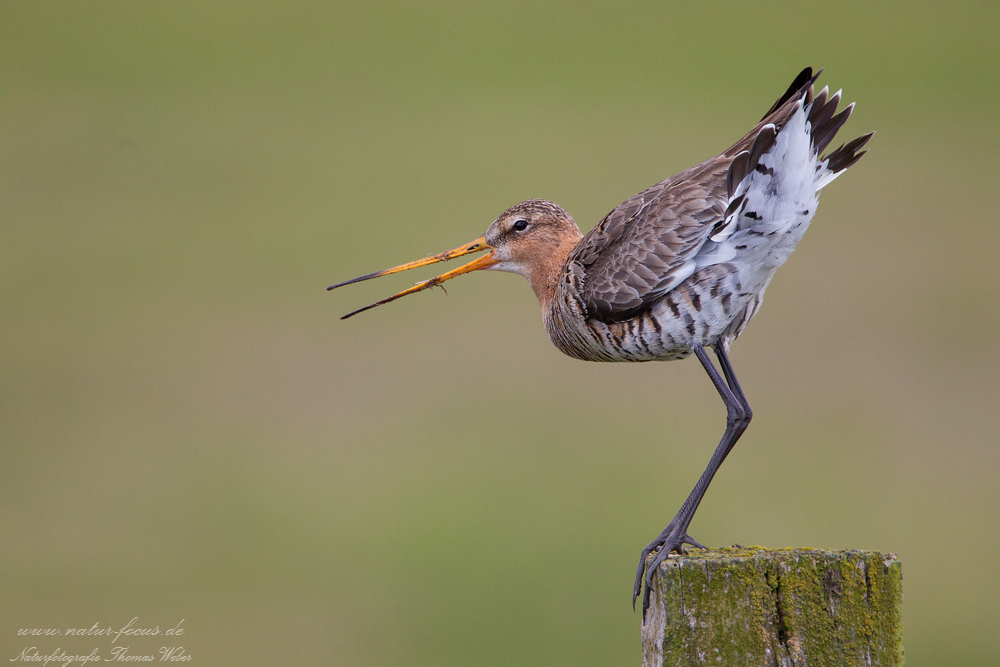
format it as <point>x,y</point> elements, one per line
<point>712,305</point>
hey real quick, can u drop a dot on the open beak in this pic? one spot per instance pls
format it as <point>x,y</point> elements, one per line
<point>484,262</point>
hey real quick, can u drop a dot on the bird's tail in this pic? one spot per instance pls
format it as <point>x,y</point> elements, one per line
<point>823,124</point>
<point>774,159</point>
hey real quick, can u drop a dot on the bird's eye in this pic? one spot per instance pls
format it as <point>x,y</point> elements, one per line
<point>520,225</point>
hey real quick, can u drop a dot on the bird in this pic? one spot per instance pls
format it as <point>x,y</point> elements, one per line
<point>675,270</point>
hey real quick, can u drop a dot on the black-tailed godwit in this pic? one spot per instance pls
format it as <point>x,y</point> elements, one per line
<point>677,268</point>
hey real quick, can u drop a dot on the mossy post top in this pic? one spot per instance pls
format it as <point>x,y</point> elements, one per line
<point>794,606</point>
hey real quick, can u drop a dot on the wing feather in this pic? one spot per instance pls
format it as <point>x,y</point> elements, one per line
<point>648,244</point>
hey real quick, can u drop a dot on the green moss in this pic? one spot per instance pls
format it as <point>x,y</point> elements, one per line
<point>756,606</point>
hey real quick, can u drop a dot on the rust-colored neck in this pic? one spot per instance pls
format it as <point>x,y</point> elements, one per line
<point>544,273</point>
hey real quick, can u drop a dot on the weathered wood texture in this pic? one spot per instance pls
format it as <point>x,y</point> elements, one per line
<point>776,608</point>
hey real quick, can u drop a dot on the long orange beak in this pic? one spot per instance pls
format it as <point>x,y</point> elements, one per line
<point>484,262</point>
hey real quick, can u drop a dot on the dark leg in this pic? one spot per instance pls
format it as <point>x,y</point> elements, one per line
<point>675,535</point>
<point>734,385</point>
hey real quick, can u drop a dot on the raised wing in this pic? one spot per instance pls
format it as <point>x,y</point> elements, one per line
<point>650,243</point>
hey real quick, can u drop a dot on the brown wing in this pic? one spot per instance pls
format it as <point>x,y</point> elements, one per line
<point>647,245</point>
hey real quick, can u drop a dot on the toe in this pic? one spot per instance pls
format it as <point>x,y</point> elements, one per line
<point>690,540</point>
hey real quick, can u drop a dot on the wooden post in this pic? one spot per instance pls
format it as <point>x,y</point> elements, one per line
<point>743,607</point>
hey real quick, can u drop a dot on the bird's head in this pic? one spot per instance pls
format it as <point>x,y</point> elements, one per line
<point>532,238</point>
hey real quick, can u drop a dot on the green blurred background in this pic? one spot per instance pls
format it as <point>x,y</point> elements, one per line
<point>188,431</point>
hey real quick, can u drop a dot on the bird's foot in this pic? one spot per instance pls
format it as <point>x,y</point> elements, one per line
<point>672,539</point>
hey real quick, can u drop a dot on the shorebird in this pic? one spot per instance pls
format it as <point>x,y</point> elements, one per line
<point>676,269</point>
